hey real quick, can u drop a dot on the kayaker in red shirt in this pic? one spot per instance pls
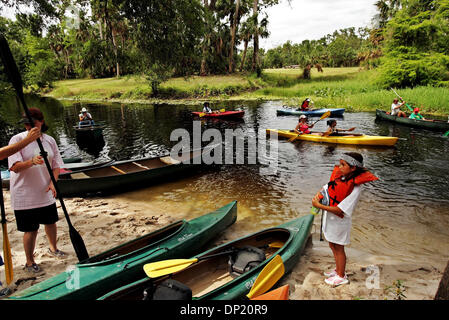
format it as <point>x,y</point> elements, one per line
<point>305,105</point>
<point>303,127</point>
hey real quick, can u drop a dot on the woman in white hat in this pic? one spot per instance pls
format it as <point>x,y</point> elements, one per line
<point>85,118</point>
<point>303,126</point>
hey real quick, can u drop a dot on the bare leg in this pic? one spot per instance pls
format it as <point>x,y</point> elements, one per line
<point>50,230</point>
<point>29,243</point>
<point>340,259</point>
<point>332,246</point>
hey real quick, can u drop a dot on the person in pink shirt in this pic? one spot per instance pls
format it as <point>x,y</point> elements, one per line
<point>32,191</point>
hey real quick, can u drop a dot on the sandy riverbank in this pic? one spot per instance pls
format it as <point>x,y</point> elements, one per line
<point>107,222</point>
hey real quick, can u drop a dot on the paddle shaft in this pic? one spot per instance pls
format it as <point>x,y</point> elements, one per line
<point>410,108</point>
<point>16,80</point>
<point>6,248</point>
<point>324,116</point>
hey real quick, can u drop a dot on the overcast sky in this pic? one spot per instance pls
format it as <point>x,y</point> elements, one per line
<point>313,19</point>
<point>308,19</point>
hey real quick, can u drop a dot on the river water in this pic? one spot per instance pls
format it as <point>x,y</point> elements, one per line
<point>404,215</point>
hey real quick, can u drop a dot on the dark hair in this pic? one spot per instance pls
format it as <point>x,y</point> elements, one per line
<point>36,114</point>
<point>357,156</point>
<point>206,104</point>
<point>329,122</point>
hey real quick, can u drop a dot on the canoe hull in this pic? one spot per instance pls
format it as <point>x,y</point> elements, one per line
<point>226,114</point>
<point>294,234</point>
<point>363,140</point>
<point>105,272</point>
<point>337,112</point>
<point>435,125</point>
<point>126,176</point>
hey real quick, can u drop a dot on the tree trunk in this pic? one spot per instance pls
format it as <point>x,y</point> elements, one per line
<point>100,25</point>
<point>114,43</point>
<point>245,49</point>
<point>443,288</point>
<point>233,32</point>
<point>256,36</point>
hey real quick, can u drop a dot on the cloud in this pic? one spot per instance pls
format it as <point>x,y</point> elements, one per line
<point>313,19</point>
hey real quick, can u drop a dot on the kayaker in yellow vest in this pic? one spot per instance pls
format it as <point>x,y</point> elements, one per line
<point>332,129</point>
<point>416,115</point>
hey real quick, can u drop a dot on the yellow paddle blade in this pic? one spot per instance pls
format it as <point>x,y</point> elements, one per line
<point>9,274</point>
<point>202,114</point>
<point>325,115</point>
<point>269,275</point>
<point>162,268</point>
<point>276,244</point>
<point>222,110</point>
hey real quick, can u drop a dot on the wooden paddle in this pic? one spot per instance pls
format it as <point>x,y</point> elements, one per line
<point>268,277</point>
<point>14,76</point>
<point>9,274</point>
<point>324,116</point>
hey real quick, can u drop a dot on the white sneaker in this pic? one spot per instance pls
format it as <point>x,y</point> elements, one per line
<point>336,280</point>
<point>330,274</point>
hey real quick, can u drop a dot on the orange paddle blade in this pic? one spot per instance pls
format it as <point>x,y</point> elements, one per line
<point>281,293</point>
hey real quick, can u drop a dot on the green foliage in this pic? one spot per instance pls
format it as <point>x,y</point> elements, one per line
<point>334,50</point>
<point>416,49</point>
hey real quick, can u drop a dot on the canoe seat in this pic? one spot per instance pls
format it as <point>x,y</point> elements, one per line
<point>244,260</point>
<point>79,175</point>
<point>141,166</point>
<point>169,160</point>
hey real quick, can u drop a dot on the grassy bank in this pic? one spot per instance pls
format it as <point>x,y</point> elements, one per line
<point>336,87</point>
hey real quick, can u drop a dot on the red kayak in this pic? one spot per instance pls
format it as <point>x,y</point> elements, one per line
<point>226,114</point>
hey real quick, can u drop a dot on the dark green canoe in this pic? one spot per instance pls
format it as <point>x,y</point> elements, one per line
<point>210,279</point>
<point>125,175</point>
<point>436,125</point>
<point>124,264</point>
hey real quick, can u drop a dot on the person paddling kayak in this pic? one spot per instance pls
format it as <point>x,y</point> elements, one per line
<point>338,199</point>
<point>303,127</point>
<point>332,129</point>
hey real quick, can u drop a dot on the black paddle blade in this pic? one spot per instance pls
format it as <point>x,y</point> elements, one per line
<point>14,76</point>
<point>10,65</point>
<point>78,245</point>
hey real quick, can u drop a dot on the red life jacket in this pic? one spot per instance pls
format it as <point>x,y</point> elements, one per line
<point>304,128</point>
<point>339,189</point>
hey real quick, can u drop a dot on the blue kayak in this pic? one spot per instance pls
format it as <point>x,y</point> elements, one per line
<point>316,112</point>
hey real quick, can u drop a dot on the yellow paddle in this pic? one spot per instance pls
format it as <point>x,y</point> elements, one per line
<point>6,247</point>
<point>324,116</point>
<point>162,268</point>
<point>267,278</point>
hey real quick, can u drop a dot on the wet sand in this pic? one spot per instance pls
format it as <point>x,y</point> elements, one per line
<point>373,264</point>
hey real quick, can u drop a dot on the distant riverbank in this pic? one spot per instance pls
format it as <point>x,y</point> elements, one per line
<point>350,88</point>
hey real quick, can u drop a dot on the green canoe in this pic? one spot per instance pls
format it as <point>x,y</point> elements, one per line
<point>126,175</point>
<point>436,125</point>
<point>117,267</point>
<point>210,278</point>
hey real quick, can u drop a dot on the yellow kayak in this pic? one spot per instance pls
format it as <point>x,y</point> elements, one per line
<point>355,139</point>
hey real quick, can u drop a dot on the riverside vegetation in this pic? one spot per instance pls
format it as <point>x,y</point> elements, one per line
<point>352,88</point>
